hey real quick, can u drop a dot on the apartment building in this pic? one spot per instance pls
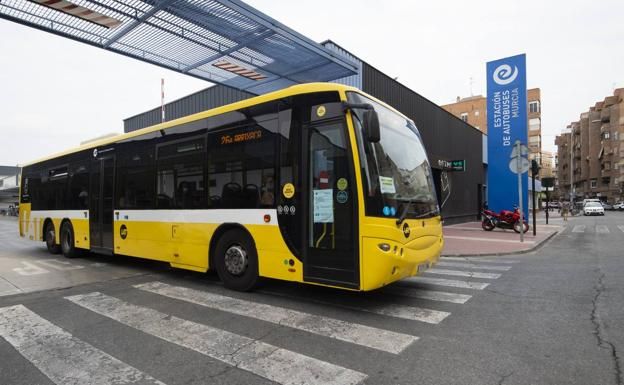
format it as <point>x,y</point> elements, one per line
<point>473,111</point>
<point>591,154</point>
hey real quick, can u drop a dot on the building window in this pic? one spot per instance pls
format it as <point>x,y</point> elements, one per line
<point>534,107</point>
<point>606,135</point>
<point>534,124</point>
<point>476,112</point>
<point>464,116</point>
<point>592,183</point>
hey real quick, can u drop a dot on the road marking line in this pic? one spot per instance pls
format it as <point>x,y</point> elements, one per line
<point>486,239</point>
<point>449,282</point>
<point>371,337</point>
<point>431,295</point>
<point>473,266</point>
<point>63,358</point>
<point>602,229</point>
<point>476,259</point>
<point>621,227</point>
<point>265,360</point>
<point>411,313</point>
<point>59,264</point>
<point>30,269</point>
<point>458,273</point>
<point>578,229</point>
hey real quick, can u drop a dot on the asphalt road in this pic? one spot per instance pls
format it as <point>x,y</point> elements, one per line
<point>554,316</point>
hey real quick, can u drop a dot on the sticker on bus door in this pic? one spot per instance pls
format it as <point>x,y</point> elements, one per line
<point>323,206</point>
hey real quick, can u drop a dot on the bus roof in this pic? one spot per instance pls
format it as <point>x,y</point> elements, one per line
<point>289,91</point>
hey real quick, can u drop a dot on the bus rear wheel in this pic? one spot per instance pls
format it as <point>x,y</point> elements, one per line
<point>236,260</point>
<point>50,238</point>
<point>68,244</point>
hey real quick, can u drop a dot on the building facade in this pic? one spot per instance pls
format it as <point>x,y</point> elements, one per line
<point>590,152</point>
<point>473,110</point>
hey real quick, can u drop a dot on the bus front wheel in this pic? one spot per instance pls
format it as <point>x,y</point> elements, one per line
<point>236,260</point>
<point>68,244</point>
<point>50,238</point>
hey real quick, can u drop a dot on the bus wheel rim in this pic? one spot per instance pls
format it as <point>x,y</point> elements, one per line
<point>66,240</point>
<point>235,260</point>
<point>50,236</point>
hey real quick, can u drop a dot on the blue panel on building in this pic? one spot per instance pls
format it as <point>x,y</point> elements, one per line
<point>507,123</point>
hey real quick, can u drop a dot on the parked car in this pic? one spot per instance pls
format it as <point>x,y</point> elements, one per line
<point>593,208</point>
<point>607,206</point>
<point>618,206</point>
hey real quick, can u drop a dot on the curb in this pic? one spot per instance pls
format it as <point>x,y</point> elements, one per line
<point>525,251</point>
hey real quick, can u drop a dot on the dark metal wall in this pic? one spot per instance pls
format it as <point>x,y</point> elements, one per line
<point>445,137</point>
<point>200,101</point>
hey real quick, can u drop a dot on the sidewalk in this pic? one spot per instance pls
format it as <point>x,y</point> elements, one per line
<point>469,238</point>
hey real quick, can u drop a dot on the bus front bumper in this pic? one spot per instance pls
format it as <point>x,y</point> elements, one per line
<point>381,268</point>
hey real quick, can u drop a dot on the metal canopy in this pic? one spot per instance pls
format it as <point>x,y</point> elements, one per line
<point>226,42</point>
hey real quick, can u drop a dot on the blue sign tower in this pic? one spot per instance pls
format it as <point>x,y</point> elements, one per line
<point>506,122</point>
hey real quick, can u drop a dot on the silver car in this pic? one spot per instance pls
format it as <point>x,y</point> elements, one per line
<point>593,208</point>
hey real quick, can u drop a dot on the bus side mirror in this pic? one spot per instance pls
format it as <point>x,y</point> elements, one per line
<point>372,131</point>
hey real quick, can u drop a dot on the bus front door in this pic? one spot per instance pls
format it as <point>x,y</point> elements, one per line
<point>101,204</point>
<point>331,253</point>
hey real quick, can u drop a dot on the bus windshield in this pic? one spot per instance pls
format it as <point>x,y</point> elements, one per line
<point>396,170</point>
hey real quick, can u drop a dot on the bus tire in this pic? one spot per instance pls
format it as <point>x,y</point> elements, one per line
<point>68,241</point>
<point>236,260</point>
<point>49,235</point>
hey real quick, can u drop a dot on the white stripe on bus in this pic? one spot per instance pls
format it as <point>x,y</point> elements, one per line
<point>458,273</point>
<point>473,266</point>
<point>244,216</point>
<point>431,295</point>
<point>265,360</point>
<point>59,214</point>
<point>448,282</point>
<point>63,358</point>
<point>371,337</point>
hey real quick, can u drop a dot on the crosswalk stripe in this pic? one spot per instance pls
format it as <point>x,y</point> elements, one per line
<point>371,337</point>
<point>621,227</point>
<point>265,360</point>
<point>477,259</point>
<point>458,273</point>
<point>602,229</point>
<point>431,295</point>
<point>578,229</point>
<point>449,282</point>
<point>473,266</point>
<point>63,358</point>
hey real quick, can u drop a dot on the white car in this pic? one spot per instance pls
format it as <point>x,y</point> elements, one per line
<point>618,206</point>
<point>593,208</point>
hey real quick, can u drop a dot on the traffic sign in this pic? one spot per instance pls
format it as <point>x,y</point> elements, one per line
<point>524,165</point>
<point>524,151</point>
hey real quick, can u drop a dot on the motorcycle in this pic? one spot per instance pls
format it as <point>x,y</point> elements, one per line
<point>506,219</point>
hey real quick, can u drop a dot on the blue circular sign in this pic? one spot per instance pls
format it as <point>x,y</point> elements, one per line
<point>342,196</point>
<point>386,210</point>
<point>392,211</point>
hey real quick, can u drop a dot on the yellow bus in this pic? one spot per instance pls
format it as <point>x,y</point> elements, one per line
<point>316,183</point>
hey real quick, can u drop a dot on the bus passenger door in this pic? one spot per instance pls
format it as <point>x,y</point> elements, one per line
<point>101,204</point>
<point>331,254</point>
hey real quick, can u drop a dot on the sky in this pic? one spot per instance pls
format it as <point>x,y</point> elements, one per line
<point>55,92</point>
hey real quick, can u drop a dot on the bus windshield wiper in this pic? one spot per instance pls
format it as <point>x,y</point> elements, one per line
<point>403,215</point>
